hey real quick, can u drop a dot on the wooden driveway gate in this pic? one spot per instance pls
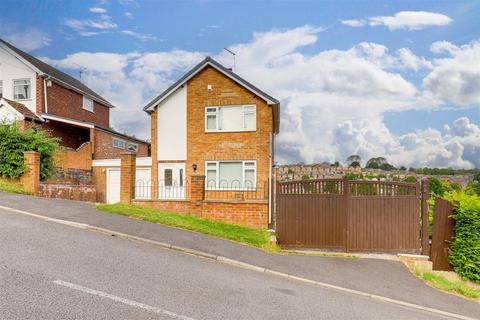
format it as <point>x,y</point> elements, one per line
<point>349,215</point>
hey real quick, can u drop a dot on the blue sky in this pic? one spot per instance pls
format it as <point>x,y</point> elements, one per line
<point>392,78</point>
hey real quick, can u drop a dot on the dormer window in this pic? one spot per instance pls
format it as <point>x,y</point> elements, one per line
<point>22,89</point>
<point>87,104</point>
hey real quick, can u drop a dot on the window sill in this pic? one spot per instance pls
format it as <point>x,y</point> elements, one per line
<point>88,110</point>
<point>225,131</point>
<point>231,189</point>
<point>23,99</point>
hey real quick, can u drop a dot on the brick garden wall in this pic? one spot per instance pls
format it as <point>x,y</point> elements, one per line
<point>68,191</point>
<point>80,158</point>
<point>178,206</point>
<point>254,214</point>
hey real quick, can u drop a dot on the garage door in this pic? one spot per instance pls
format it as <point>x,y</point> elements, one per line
<point>113,185</point>
<point>143,183</point>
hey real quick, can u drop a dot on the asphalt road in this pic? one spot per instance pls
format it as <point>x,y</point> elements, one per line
<point>52,271</point>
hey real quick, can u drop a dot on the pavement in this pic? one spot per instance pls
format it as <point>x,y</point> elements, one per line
<point>389,279</point>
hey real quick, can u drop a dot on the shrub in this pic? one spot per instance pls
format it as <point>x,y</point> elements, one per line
<point>465,250</point>
<point>13,142</point>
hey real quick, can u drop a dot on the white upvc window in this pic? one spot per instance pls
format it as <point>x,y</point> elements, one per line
<point>22,89</point>
<point>87,104</point>
<point>231,118</point>
<point>132,147</point>
<point>117,143</point>
<point>231,175</point>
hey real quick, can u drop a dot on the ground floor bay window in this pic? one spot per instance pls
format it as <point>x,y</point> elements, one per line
<point>231,175</point>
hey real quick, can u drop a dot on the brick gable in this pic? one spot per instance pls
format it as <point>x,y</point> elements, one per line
<point>203,146</point>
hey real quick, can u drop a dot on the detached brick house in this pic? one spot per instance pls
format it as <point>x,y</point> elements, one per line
<point>213,123</point>
<point>35,92</point>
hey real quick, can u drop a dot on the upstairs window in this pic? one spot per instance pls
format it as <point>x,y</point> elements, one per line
<point>117,143</point>
<point>22,89</point>
<point>87,104</point>
<point>230,118</point>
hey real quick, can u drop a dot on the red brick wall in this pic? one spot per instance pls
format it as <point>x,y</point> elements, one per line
<point>245,213</point>
<point>104,149</point>
<point>99,178</point>
<point>39,95</point>
<point>68,103</point>
<point>178,206</point>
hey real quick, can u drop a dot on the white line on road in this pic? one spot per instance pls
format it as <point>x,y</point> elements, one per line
<point>122,300</point>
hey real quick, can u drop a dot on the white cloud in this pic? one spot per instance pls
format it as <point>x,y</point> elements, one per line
<point>332,101</point>
<point>97,10</point>
<point>354,22</point>
<point>140,36</point>
<point>455,79</point>
<point>408,20</point>
<point>104,23</point>
<point>439,47</point>
<point>28,40</point>
<point>128,14</point>
<point>409,60</point>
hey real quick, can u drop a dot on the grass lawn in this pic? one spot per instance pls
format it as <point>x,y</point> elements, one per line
<point>459,287</point>
<point>252,236</point>
<point>9,186</point>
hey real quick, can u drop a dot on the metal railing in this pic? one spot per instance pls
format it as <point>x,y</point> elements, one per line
<point>236,191</point>
<point>166,189</point>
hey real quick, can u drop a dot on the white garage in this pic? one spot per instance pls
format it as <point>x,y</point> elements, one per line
<point>110,168</point>
<point>113,185</point>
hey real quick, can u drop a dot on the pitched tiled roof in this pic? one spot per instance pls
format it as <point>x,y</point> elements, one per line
<point>23,110</point>
<point>208,61</point>
<point>228,72</point>
<point>55,73</point>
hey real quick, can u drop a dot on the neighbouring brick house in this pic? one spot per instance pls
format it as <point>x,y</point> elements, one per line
<point>212,149</point>
<point>35,92</point>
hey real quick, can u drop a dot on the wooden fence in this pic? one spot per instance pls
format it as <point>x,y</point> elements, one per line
<point>369,216</point>
<point>442,235</point>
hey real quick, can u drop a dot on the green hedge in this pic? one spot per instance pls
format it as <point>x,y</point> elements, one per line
<point>13,142</point>
<point>465,250</point>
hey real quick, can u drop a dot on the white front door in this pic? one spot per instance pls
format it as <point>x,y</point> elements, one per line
<point>113,185</point>
<point>171,180</point>
<point>143,183</point>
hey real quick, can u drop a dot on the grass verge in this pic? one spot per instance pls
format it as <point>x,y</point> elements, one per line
<point>256,237</point>
<point>458,286</point>
<point>9,186</point>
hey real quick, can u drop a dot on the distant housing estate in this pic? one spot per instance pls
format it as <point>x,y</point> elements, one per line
<point>330,171</point>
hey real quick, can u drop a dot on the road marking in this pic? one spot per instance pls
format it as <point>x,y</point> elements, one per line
<point>122,300</point>
<point>243,265</point>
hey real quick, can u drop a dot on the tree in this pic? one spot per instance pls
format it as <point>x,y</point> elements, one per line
<point>402,168</point>
<point>355,164</point>
<point>13,142</point>
<point>353,158</point>
<point>410,179</point>
<point>375,162</point>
